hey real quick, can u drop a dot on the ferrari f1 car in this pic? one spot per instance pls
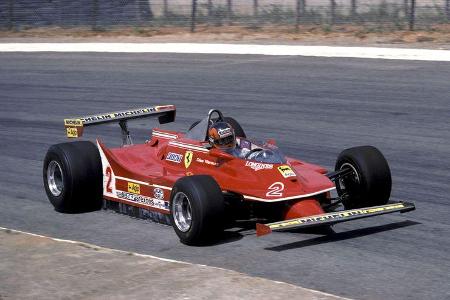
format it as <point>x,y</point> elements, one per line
<point>177,178</point>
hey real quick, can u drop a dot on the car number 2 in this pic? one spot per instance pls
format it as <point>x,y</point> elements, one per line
<point>275,190</point>
<point>108,180</point>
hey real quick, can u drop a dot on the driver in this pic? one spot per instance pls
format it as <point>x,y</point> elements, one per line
<point>221,136</point>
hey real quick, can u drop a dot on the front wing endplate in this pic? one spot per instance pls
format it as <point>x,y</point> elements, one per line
<point>334,217</point>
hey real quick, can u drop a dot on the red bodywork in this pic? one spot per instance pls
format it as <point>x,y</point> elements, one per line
<point>143,175</point>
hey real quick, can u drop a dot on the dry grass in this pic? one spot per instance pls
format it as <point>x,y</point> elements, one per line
<point>437,36</point>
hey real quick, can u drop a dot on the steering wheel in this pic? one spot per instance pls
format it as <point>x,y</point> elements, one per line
<point>253,151</point>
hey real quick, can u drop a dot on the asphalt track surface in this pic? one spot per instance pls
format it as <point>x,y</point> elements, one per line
<point>314,107</point>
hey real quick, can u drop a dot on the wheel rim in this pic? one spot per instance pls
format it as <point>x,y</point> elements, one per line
<point>55,178</point>
<point>181,211</point>
<point>351,181</point>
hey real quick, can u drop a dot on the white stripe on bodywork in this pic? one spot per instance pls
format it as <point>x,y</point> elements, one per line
<point>144,183</point>
<point>188,146</point>
<point>133,180</point>
<point>164,135</point>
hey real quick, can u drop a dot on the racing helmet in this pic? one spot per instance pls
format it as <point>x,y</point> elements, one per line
<point>221,135</point>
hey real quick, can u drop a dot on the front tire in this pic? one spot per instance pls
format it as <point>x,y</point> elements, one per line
<point>197,209</point>
<point>370,182</point>
<point>73,177</point>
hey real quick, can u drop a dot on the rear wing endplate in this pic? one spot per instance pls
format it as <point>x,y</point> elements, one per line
<point>74,127</point>
<point>334,217</point>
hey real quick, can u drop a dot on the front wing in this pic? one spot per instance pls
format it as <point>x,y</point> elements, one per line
<point>334,217</point>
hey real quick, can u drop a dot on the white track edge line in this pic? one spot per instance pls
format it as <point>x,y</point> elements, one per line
<point>166,260</point>
<point>253,49</point>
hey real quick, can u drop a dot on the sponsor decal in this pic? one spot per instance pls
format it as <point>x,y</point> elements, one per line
<point>336,215</point>
<point>72,132</point>
<point>286,171</point>
<point>224,132</point>
<point>156,203</point>
<point>73,122</point>
<point>188,158</point>
<point>212,163</point>
<point>134,188</point>
<point>275,190</point>
<point>117,115</point>
<point>206,161</point>
<point>158,193</point>
<point>174,157</point>
<point>258,166</point>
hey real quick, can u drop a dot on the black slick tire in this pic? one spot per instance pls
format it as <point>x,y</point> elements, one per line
<point>207,209</point>
<point>79,172</point>
<point>371,182</point>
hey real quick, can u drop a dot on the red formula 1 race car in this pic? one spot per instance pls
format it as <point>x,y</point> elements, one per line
<point>181,179</point>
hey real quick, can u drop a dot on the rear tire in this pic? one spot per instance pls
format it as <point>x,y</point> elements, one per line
<point>371,182</point>
<point>73,177</point>
<point>197,209</point>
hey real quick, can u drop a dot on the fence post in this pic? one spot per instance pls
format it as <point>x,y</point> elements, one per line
<point>144,10</point>
<point>165,8</point>
<point>333,12</point>
<point>193,15</point>
<point>255,8</point>
<point>210,7</point>
<point>447,9</point>
<point>11,22</point>
<point>229,11</point>
<point>94,15</point>
<point>59,9</point>
<point>412,15</point>
<point>353,10</point>
<point>299,12</point>
<point>406,8</point>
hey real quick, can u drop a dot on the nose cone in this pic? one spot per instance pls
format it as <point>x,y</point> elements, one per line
<point>303,208</point>
<point>275,182</point>
<point>308,181</point>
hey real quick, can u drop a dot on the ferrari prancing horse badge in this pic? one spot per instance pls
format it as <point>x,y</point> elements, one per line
<point>188,158</point>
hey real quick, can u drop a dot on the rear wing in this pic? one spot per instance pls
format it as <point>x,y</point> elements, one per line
<point>74,127</point>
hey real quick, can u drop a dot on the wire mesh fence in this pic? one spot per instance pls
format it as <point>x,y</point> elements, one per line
<point>108,14</point>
